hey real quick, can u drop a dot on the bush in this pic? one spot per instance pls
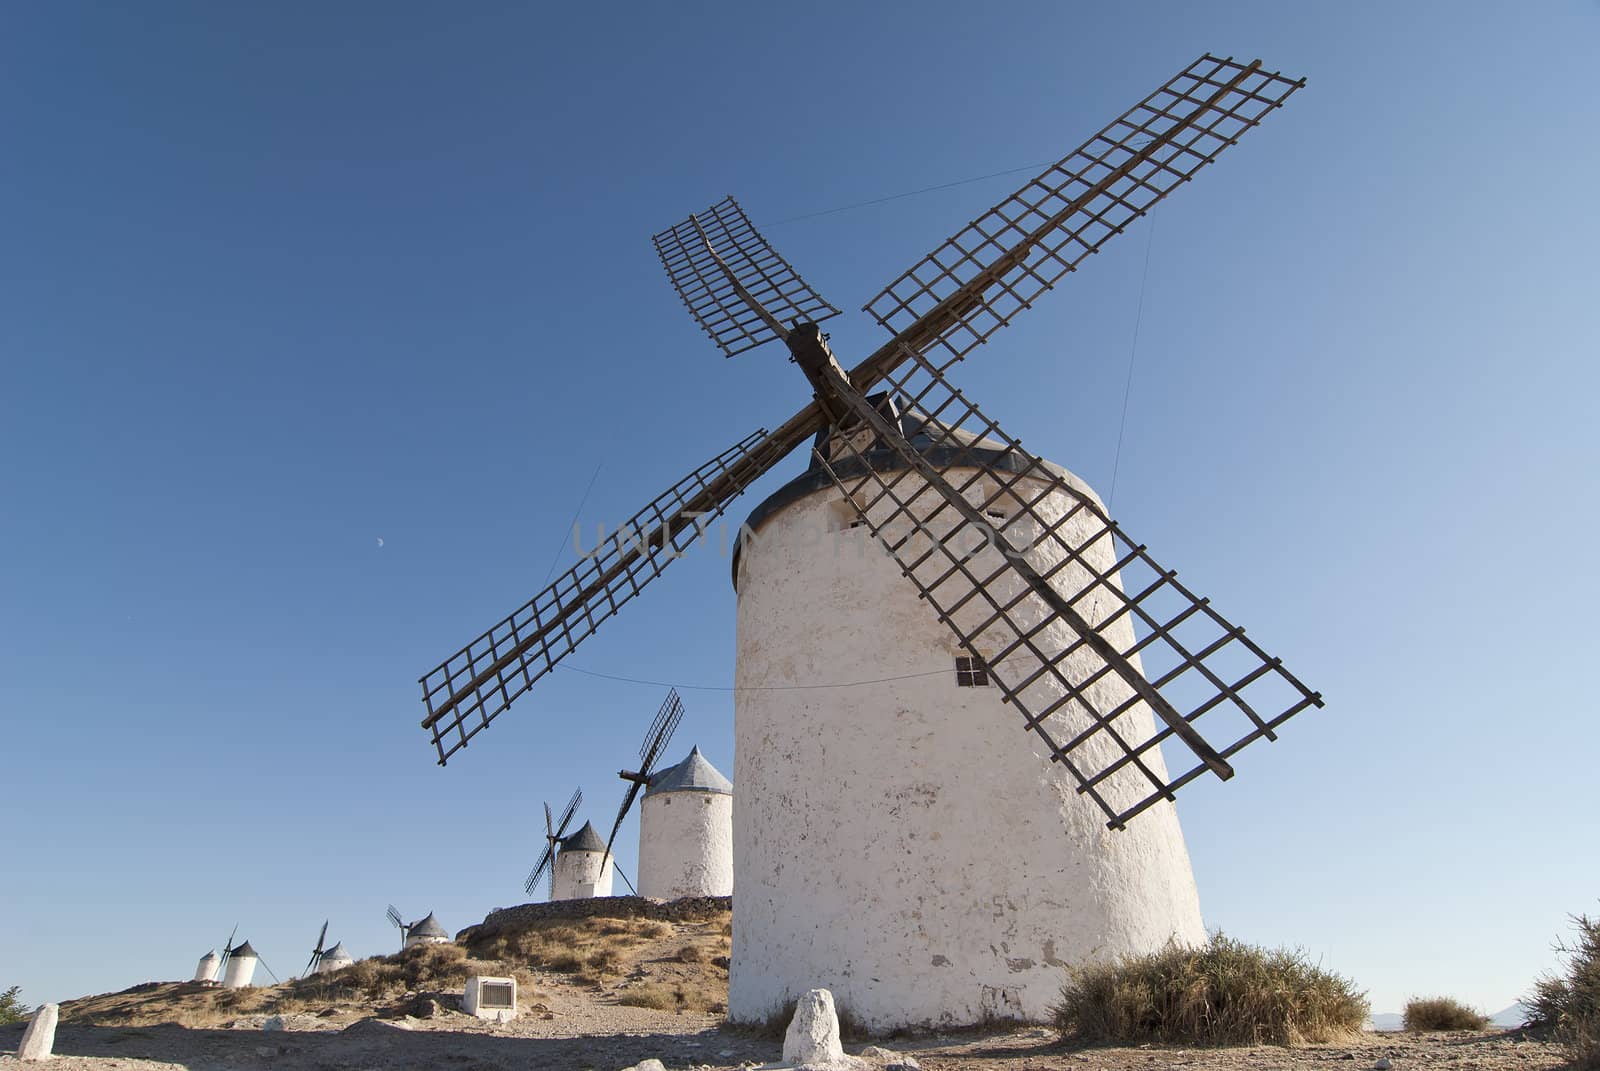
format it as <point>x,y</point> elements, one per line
<point>1441,1013</point>
<point>1223,993</point>
<point>12,1010</point>
<point>1568,1005</point>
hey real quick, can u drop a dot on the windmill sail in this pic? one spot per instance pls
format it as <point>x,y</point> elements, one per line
<point>655,742</point>
<point>472,687</point>
<point>715,258</point>
<point>553,832</point>
<point>1080,628</point>
<point>977,281</point>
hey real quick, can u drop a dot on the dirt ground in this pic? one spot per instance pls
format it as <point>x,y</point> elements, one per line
<point>693,1042</point>
<point>601,993</point>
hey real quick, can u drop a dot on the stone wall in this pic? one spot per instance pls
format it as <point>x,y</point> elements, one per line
<point>689,909</point>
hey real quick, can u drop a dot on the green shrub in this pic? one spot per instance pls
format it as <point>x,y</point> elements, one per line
<point>1222,993</point>
<point>1441,1013</point>
<point>1568,1005</point>
<point>12,1010</point>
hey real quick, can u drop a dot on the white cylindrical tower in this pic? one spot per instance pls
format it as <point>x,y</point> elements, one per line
<point>241,967</point>
<point>906,843</point>
<point>686,832</point>
<point>209,964</point>
<point>582,868</point>
<point>426,932</point>
<point>334,959</point>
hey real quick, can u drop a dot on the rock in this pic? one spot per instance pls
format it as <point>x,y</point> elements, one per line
<point>890,1060</point>
<point>423,1008</point>
<point>40,1037</point>
<point>1383,1064</point>
<point>274,1023</point>
<point>813,1034</point>
<point>291,1022</point>
<point>651,1064</point>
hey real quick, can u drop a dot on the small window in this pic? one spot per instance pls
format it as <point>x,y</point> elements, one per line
<point>971,672</point>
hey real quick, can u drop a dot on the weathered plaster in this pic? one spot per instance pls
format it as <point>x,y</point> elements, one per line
<point>686,844</point>
<point>906,844</point>
<point>580,875</point>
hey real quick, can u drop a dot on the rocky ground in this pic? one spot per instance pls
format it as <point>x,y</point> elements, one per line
<point>602,994</point>
<point>694,1042</point>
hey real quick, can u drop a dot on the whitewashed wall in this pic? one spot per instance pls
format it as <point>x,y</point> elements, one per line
<point>207,969</point>
<point>239,972</point>
<point>907,844</point>
<point>686,844</point>
<point>579,875</point>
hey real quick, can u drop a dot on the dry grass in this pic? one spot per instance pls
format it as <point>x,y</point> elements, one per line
<point>776,1024</point>
<point>1441,1013</point>
<point>1225,993</point>
<point>592,949</point>
<point>1567,1005</point>
<point>641,962</point>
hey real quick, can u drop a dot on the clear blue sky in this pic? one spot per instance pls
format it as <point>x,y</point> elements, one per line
<point>279,282</point>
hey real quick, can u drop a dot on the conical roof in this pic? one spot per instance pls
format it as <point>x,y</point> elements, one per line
<point>693,774</point>
<point>428,927</point>
<point>338,951</point>
<point>243,950</point>
<point>584,840</point>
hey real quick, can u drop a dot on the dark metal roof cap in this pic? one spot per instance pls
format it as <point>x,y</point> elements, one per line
<point>584,840</point>
<point>338,951</point>
<point>428,927</point>
<point>693,774</point>
<point>243,950</point>
<point>945,446</point>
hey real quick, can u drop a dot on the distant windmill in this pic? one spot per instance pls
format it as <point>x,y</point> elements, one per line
<point>318,952</point>
<point>655,744</point>
<point>553,833</point>
<point>426,930</point>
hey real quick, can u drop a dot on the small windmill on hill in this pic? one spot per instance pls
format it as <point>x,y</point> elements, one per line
<point>1057,621</point>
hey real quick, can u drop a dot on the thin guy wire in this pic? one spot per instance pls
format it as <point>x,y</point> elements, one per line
<point>1133,352</point>
<point>907,193</point>
<point>575,514</point>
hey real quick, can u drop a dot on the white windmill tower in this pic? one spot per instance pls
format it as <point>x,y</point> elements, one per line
<point>210,964</point>
<point>240,967</point>
<point>686,832</point>
<point>685,817</point>
<point>905,824</point>
<point>583,868</point>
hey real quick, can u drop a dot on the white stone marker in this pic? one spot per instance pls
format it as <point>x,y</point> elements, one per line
<point>40,1037</point>
<point>813,1035</point>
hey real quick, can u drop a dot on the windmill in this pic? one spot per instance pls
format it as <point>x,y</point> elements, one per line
<point>1099,650</point>
<point>655,742</point>
<point>553,834</point>
<point>317,953</point>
